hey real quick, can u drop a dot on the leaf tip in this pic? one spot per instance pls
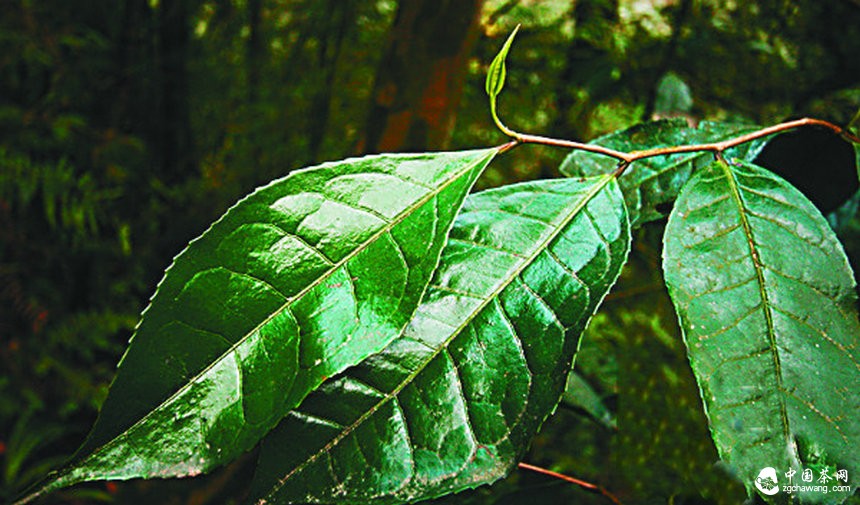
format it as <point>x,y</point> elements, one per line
<point>496,80</point>
<point>496,72</point>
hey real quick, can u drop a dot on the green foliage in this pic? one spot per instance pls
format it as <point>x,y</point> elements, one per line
<point>300,280</point>
<point>496,78</point>
<point>768,306</point>
<point>54,223</point>
<point>673,96</point>
<point>578,393</point>
<point>455,401</point>
<point>652,183</point>
<point>317,275</point>
<point>126,128</point>
<point>661,448</point>
<point>67,201</point>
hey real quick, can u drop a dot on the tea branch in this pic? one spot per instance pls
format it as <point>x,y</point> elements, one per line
<point>626,158</point>
<point>495,82</point>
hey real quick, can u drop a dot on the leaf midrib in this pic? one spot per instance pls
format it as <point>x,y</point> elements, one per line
<point>762,288</point>
<point>444,344</point>
<point>286,305</point>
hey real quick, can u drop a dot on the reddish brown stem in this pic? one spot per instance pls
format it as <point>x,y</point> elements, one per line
<point>716,147</point>
<point>507,146</point>
<point>572,480</point>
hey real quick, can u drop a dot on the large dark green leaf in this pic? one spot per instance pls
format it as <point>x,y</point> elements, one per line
<point>767,303</point>
<point>652,182</point>
<point>454,402</point>
<point>298,281</point>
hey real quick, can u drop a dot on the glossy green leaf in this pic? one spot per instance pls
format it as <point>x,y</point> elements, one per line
<point>455,401</point>
<point>650,183</point>
<point>298,281</point>
<point>768,308</point>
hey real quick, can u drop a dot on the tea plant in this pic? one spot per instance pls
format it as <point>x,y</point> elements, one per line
<point>387,337</point>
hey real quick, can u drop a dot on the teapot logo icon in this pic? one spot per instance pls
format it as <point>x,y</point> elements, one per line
<point>766,481</point>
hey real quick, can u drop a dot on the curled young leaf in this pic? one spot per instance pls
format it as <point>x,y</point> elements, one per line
<point>496,81</point>
<point>496,72</point>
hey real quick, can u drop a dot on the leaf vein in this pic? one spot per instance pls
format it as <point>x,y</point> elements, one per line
<point>492,298</point>
<point>485,246</point>
<point>827,338</point>
<point>302,241</point>
<point>528,289</point>
<point>809,405</point>
<point>720,289</point>
<point>708,238</point>
<point>257,279</point>
<point>733,324</point>
<point>708,205</point>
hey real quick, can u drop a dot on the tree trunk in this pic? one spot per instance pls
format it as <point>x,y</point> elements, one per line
<point>255,50</point>
<point>340,15</point>
<point>177,159</point>
<point>419,81</point>
<point>255,57</point>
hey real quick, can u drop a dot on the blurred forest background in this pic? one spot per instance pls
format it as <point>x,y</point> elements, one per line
<point>127,126</point>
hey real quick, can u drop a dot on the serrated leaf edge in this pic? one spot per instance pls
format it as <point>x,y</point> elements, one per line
<point>599,186</point>
<point>58,480</point>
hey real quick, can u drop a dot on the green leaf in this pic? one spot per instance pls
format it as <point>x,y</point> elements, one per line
<point>855,121</point>
<point>298,281</point>
<point>767,303</point>
<point>856,148</point>
<point>650,183</point>
<point>578,393</point>
<point>496,73</point>
<point>455,401</point>
<point>496,81</point>
<point>673,95</point>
